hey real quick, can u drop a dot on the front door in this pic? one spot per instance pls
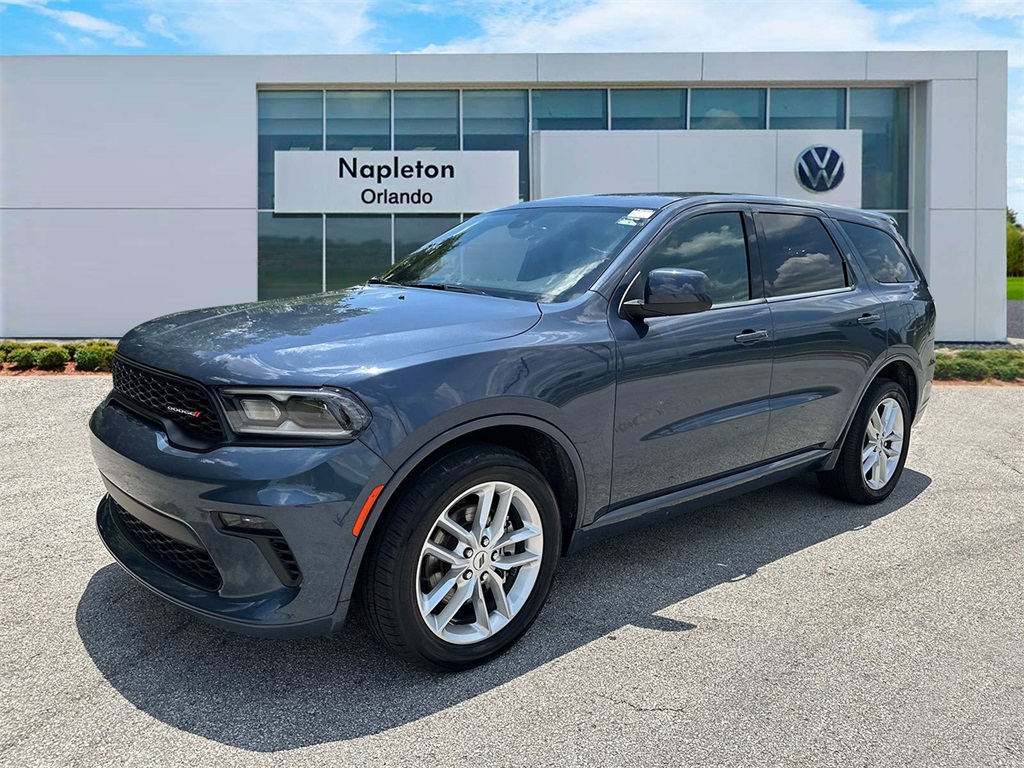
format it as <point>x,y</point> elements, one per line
<point>692,392</point>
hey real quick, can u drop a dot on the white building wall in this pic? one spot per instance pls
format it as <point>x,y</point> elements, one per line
<point>128,184</point>
<point>760,162</point>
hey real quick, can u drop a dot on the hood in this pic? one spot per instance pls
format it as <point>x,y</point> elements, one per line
<point>310,340</point>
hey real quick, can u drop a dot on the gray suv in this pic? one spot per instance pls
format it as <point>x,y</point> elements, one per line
<point>431,443</point>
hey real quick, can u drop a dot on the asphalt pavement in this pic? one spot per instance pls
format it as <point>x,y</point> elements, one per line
<point>1015,319</point>
<point>779,628</point>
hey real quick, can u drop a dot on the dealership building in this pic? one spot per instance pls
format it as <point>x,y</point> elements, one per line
<point>138,186</point>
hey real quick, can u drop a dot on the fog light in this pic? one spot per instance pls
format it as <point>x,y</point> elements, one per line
<point>246,523</point>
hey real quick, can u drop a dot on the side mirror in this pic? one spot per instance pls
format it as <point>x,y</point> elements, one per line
<point>669,291</point>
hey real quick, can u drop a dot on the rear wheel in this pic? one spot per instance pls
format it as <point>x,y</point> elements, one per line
<point>465,559</point>
<point>875,449</point>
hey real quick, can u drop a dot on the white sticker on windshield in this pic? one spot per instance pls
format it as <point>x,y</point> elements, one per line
<point>635,217</point>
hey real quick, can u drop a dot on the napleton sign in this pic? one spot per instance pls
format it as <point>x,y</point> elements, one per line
<point>394,182</point>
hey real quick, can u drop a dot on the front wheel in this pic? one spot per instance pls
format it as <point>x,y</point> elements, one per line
<point>465,559</point>
<point>875,449</point>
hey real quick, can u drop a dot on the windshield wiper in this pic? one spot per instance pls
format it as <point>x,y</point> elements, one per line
<point>448,287</point>
<point>383,281</point>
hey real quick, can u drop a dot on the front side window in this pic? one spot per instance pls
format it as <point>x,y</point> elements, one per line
<point>713,243</point>
<point>536,254</point>
<point>799,256</point>
<point>880,253</point>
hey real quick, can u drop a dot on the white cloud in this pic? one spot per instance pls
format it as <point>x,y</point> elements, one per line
<point>667,25</point>
<point>720,25</point>
<point>157,24</point>
<point>264,26</point>
<point>94,26</point>
<point>990,9</point>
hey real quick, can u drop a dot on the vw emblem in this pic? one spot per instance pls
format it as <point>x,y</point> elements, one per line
<point>820,169</point>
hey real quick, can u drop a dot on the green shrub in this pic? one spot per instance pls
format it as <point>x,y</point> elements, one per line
<point>944,367</point>
<point>36,346</point>
<point>3,356</point>
<point>972,354</point>
<point>9,345</point>
<point>970,369</point>
<point>51,359</point>
<point>1014,246</point>
<point>1007,372</point>
<point>1004,357</point>
<point>24,359</point>
<point>95,357</point>
<point>71,347</point>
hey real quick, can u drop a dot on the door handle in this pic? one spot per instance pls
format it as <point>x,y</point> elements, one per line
<point>868,319</point>
<point>749,337</point>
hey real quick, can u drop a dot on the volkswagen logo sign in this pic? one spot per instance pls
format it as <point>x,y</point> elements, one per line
<point>820,169</point>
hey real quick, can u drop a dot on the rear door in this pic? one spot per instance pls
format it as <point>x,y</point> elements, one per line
<point>829,328</point>
<point>692,392</point>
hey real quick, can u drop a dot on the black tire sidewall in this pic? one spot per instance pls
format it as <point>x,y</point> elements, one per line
<point>444,485</point>
<point>854,476</point>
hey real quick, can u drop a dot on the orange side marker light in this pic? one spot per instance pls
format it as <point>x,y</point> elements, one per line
<point>365,511</point>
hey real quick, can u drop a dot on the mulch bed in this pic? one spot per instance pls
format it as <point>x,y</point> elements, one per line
<point>7,369</point>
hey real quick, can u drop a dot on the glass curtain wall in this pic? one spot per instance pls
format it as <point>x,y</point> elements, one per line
<point>883,114</point>
<point>309,253</point>
<point>648,109</point>
<point>727,108</point>
<point>794,108</point>
<point>426,120</point>
<point>570,110</point>
<point>289,248</point>
<point>358,120</point>
<point>499,120</point>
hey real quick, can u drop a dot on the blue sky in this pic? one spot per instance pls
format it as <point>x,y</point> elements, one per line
<point>386,26</point>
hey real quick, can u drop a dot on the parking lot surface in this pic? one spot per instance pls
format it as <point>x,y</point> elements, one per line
<point>780,628</point>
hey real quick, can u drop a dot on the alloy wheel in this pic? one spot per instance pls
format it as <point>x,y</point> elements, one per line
<point>883,443</point>
<point>479,563</point>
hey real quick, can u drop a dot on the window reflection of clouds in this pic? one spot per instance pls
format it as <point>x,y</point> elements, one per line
<point>801,257</point>
<point>883,258</point>
<point>713,244</point>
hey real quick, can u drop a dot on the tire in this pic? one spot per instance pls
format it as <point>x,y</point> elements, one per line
<point>433,593</point>
<point>868,478</point>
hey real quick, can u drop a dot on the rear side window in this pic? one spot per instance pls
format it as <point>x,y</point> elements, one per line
<point>714,244</point>
<point>882,256</point>
<point>799,256</point>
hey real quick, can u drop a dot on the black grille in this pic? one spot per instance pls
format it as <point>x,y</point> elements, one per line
<point>188,563</point>
<point>172,399</point>
<point>287,559</point>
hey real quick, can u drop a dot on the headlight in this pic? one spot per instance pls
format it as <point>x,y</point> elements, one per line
<point>296,413</point>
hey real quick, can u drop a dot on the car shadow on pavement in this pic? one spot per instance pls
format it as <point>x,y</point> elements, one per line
<point>270,695</point>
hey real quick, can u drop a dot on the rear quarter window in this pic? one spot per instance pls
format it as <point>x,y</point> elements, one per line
<point>800,256</point>
<point>880,253</point>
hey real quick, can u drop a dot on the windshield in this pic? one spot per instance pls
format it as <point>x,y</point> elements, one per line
<point>536,254</point>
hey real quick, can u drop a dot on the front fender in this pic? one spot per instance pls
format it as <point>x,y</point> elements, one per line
<point>426,441</point>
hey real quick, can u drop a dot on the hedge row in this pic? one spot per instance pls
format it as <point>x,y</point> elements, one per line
<point>980,365</point>
<point>97,355</point>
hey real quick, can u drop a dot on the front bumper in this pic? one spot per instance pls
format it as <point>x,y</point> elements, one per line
<point>308,493</point>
